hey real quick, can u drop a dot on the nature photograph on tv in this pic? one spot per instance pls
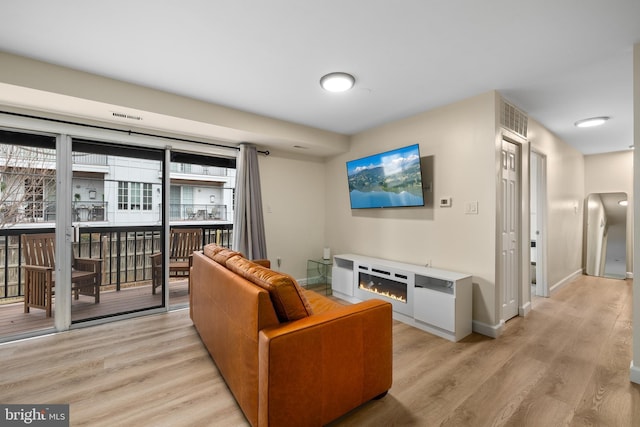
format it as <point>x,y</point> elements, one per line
<point>384,180</point>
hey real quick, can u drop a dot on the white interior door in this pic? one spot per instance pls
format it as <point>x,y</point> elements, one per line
<point>510,228</point>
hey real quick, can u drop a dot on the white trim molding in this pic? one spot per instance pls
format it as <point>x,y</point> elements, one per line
<point>562,283</point>
<point>493,331</point>
<point>525,309</point>
<point>634,373</point>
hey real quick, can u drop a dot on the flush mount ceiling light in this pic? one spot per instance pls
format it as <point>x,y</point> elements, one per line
<point>337,82</point>
<point>591,122</point>
<point>623,202</point>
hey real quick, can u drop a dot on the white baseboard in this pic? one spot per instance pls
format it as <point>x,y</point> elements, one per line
<point>629,274</point>
<point>562,283</point>
<point>525,309</point>
<point>345,297</point>
<point>493,331</point>
<point>634,373</point>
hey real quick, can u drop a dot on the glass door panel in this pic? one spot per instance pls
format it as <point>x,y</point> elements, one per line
<point>117,221</point>
<point>27,209</point>
<point>202,200</point>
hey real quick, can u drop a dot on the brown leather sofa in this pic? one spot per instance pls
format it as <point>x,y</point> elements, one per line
<point>291,357</point>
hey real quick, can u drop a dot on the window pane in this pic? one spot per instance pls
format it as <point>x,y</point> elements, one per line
<point>123,195</point>
<point>27,207</point>
<point>147,198</point>
<point>135,196</point>
<point>121,231</point>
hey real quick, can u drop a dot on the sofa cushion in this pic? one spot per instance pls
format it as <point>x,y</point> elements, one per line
<point>218,253</point>
<point>225,255</point>
<point>320,303</point>
<point>211,249</point>
<point>286,295</point>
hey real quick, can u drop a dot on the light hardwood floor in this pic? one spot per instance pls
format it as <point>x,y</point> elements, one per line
<point>565,364</point>
<point>14,321</point>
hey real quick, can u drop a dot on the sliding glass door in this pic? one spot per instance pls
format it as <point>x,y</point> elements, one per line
<point>201,212</point>
<point>88,223</point>
<point>117,221</point>
<point>27,209</point>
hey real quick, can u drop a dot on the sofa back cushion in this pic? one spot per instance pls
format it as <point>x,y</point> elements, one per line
<point>211,249</point>
<point>286,295</point>
<point>219,254</point>
<point>225,255</point>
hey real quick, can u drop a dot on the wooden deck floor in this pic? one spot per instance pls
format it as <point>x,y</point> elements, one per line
<point>13,319</point>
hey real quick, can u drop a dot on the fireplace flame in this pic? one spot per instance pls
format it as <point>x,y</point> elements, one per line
<point>386,294</point>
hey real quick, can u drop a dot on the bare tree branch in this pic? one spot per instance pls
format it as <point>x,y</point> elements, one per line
<point>27,183</point>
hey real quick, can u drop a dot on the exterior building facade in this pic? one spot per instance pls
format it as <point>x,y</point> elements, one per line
<point>112,190</point>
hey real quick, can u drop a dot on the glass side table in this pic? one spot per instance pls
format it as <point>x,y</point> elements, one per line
<point>319,275</point>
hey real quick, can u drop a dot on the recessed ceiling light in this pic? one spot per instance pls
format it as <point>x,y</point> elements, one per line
<point>337,82</point>
<point>623,202</point>
<point>591,122</point>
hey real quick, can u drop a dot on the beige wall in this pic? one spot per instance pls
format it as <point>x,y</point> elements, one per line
<point>460,141</point>
<point>612,173</point>
<point>609,173</point>
<point>565,207</point>
<point>635,369</point>
<point>293,196</point>
<point>594,236</point>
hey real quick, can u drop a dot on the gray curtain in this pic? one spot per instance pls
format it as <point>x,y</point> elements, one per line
<point>248,221</point>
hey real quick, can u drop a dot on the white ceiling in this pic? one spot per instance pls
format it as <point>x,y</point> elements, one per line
<point>559,61</point>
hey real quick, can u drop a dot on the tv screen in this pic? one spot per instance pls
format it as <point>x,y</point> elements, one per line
<point>386,180</point>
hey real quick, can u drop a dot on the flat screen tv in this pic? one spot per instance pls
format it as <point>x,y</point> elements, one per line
<point>386,180</point>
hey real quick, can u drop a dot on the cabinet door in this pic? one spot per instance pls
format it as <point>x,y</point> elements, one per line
<point>342,280</point>
<point>435,308</point>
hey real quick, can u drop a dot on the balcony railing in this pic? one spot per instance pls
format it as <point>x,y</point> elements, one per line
<point>87,211</point>
<point>125,253</point>
<point>192,169</point>
<point>38,157</point>
<point>94,211</point>
<point>197,212</point>
<point>43,211</point>
<point>90,159</point>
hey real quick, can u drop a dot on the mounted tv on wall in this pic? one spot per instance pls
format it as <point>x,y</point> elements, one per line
<point>386,180</point>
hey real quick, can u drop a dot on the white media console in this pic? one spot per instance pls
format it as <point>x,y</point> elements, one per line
<point>436,301</point>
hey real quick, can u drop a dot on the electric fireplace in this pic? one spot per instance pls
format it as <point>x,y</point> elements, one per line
<point>387,285</point>
<point>381,286</point>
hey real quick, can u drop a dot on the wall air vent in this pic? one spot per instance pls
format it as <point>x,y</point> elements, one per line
<point>125,116</point>
<point>513,119</point>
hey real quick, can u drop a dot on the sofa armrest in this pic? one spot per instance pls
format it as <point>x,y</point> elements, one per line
<point>313,370</point>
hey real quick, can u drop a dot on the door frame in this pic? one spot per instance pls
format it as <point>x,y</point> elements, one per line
<point>542,284</point>
<point>524,287</point>
<point>510,198</point>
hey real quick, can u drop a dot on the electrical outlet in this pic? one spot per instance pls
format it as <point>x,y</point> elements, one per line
<point>445,202</point>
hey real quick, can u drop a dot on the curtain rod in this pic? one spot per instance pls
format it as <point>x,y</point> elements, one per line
<point>130,132</point>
